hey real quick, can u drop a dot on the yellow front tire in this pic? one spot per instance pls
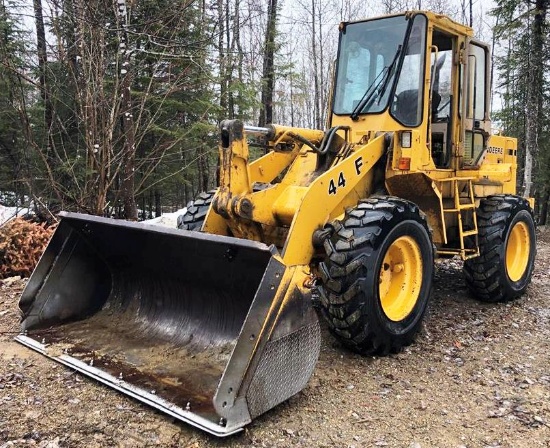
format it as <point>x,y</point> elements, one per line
<point>377,275</point>
<point>507,246</point>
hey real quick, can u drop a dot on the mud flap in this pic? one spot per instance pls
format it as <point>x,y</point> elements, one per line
<point>212,330</point>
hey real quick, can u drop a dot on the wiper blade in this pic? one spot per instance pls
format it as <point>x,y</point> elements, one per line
<point>391,68</point>
<point>379,86</point>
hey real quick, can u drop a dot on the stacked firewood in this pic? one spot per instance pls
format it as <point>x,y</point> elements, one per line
<point>21,245</point>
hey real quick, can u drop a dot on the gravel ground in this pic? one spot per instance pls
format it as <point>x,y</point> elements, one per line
<point>478,376</point>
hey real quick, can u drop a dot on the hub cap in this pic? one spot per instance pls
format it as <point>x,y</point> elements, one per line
<point>400,278</point>
<point>517,251</point>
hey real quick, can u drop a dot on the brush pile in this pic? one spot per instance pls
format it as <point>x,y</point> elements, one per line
<point>21,245</point>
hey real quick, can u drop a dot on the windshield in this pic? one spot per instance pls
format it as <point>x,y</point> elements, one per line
<point>367,65</point>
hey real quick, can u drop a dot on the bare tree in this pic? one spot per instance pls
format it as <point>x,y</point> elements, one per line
<point>393,6</point>
<point>127,123</point>
<point>268,72</point>
<point>43,69</point>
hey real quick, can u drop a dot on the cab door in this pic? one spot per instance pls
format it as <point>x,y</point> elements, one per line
<point>443,88</point>
<point>475,107</point>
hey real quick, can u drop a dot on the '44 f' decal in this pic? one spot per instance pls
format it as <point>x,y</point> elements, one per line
<point>340,181</point>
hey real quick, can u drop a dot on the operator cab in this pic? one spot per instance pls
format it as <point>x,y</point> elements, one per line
<point>381,83</point>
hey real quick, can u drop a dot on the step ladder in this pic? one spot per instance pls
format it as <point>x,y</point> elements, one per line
<point>457,183</point>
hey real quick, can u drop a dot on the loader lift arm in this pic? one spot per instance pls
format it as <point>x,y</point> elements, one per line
<point>303,201</point>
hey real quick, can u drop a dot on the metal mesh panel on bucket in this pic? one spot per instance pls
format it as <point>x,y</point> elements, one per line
<point>284,369</point>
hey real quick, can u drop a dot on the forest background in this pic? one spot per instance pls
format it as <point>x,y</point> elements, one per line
<point>111,107</point>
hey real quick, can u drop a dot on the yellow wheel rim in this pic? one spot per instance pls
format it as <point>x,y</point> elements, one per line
<point>400,278</point>
<point>517,251</point>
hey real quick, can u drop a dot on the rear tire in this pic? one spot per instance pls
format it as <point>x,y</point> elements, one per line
<point>193,218</point>
<point>377,275</point>
<point>507,246</point>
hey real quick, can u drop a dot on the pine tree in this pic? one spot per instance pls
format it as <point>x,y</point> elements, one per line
<point>16,179</point>
<point>522,27</point>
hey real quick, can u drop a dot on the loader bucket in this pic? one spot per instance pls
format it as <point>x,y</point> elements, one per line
<point>209,329</point>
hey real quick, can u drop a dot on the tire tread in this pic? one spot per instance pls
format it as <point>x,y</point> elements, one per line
<point>484,275</point>
<point>194,217</point>
<point>348,248</point>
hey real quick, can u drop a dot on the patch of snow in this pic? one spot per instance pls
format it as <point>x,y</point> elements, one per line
<point>167,219</point>
<point>9,213</point>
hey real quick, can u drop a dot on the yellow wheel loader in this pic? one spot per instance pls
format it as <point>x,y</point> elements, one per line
<point>216,323</point>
